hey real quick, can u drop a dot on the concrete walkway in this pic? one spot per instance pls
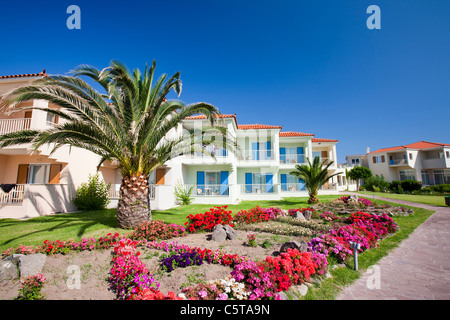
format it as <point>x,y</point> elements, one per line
<point>418,269</point>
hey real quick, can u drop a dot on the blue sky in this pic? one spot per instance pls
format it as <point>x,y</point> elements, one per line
<point>310,66</point>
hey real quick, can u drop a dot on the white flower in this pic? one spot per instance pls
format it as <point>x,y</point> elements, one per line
<point>181,295</point>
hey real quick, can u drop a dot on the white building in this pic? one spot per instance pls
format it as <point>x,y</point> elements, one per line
<point>424,161</point>
<point>45,183</point>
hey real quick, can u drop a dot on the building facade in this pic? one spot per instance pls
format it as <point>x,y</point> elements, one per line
<point>424,161</point>
<point>43,182</point>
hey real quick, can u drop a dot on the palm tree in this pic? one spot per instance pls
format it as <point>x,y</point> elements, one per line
<point>315,176</point>
<point>128,124</point>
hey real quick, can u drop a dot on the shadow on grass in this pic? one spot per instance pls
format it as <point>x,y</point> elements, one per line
<point>74,224</point>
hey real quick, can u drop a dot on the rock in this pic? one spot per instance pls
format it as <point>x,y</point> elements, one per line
<point>307,214</point>
<point>219,234</point>
<point>30,265</point>
<point>316,280</point>
<point>298,215</point>
<point>8,269</point>
<point>327,275</point>
<point>300,246</point>
<point>283,296</point>
<point>231,233</point>
<point>302,289</point>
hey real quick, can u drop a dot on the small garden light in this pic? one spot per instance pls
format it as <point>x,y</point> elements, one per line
<point>355,246</point>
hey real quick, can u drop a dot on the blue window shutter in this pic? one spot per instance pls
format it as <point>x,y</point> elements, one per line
<point>283,155</point>
<point>248,182</point>
<point>255,150</point>
<point>300,155</point>
<point>224,183</point>
<point>268,148</point>
<point>269,182</point>
<point>283,182</point>
<point>200,182</point>
<point>301,185</point>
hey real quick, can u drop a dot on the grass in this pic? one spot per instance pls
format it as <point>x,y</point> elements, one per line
<point>99,223</point>
<point>425,199</point>
<point>342,277</point>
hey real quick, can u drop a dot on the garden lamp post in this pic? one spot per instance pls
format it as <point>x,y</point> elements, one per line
<point>355,246</point>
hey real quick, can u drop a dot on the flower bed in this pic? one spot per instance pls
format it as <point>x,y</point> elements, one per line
<point>206,221</point>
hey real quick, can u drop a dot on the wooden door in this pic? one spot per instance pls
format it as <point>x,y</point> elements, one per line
<point>160,176</point>
<point>22,174</point>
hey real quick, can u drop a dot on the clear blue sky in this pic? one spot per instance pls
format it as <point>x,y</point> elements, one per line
<point>310,66</point>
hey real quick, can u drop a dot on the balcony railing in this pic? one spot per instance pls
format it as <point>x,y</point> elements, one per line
<point>258,188</point>
<point>259,155</point>
<point>292,187</point>
<point>218,153</point>
<point>394,162</point>
<point>208,190</point>
<point>15,196</point>
<point>114,192</point>
<point>14,125</point>
<point>292,158</point>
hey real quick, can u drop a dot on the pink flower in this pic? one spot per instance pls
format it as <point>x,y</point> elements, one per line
<point>202,294</point>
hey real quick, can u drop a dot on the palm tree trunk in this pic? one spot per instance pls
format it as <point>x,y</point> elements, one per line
<point>313,199</point>
<point>134,203</point>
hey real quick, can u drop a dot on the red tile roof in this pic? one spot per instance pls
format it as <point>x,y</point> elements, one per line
<point>416,145</point>
<point>323,140</point>
<point>257,126</point>
<point>202,116</point>
<point>295,134</point>
<point>40,74</point>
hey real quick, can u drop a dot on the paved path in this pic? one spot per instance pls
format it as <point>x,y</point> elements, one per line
<point>418,269</point>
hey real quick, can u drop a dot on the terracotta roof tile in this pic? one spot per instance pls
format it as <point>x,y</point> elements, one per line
<point>40,74</point>
<point>257,126</point>
<point>294,134</point>
<point>416,145</point>
<point>323,140</point>
<point>202,116</point>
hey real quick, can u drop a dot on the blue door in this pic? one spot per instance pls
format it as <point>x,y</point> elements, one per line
<point>200,182</point>
<point>283,177</point>
<point>248,182</point>
<point>269,182</point>
<point>224,188</point>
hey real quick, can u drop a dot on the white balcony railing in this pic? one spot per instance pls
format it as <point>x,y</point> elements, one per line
<point>292,158</point>
<point>14,125</point>
<point>259,155</point>
<point>208,190</point>
<point>15,196</point>
<point>218,153</point>
<point>394,162</point>
<point>114,192</point>
<point>259,188</point>
<point>292,187</point>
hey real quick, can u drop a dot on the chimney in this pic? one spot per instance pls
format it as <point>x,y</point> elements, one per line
<point>368,150</point>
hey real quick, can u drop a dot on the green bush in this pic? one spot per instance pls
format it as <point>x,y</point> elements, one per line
<point>406,186</point>
<point>183,194</point>
<point>376,184</point>
<point>440,189</point>
<point>93,195</point>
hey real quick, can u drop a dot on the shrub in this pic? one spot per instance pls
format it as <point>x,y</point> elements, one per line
<point>376,183</point>
<point>93,195</point>
<point>206,221</point>
<point>30,288</point>
<point>183,194</point>
<point>411,185</point>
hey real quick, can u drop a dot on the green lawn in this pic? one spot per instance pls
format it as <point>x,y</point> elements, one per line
<point>432,200</point>
<point>99,223</point>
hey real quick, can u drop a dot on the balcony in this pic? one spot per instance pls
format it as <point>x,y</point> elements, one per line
<point>292,187</point>
<point>15,196</point>
<point>218,153</point>
<point>259,155</point>
<point>293,158</point>
<point>258,189</point>
<point>208,190</point>
<point>398,162</point>
<point>14,125</point>
<point>436,163</point>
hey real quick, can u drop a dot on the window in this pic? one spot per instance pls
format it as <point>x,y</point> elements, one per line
<point>212,178</point>
<point>410,156</point>
<point>407,175</point>
<point>52,119</point>
<point>38,173</point>
<point>378,159</point>
<point>447,154</point>
<point>425,177</point>
<point>355,161</point>
<point>441,176</point>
